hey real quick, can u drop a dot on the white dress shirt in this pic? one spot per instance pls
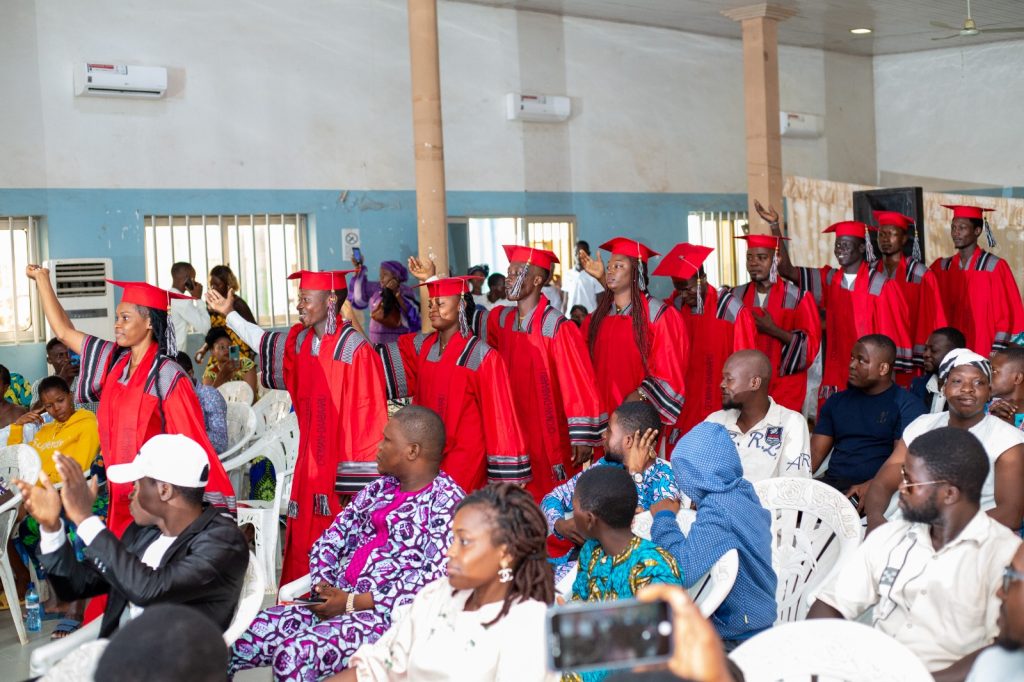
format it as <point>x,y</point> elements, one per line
<point>186,315</point>
<point>581,289</point>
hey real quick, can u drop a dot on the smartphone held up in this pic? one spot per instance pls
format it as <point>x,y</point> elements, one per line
<point>608,635</point>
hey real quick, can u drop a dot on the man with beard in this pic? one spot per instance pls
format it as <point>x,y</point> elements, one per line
<point>1005,660</point>
<point>919,286</point>
<point>771,440</point>
<point>927,387</point>
<point>861,425</point>
<point>931,578</point>
<point>631,427</point>
<point>967,386</point>
<point>1008,386</point>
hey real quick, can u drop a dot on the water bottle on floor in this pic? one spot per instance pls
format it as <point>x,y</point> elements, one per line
<point>33,617</point>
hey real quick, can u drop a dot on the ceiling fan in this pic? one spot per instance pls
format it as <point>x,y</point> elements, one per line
<point>970,28</point>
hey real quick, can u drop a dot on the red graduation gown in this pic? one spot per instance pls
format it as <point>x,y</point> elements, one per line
<point>555,385</point>
<point>873,306</point>
<point>467,384</point>
<point>620,370</point>
<point>796,312</point>
<point>724,327</point>
<point>129,415</point>
<point>338,396</point>
<point>920,289</point>
<point>981,300</point>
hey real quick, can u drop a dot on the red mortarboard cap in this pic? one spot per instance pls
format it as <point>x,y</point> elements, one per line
<point>762,241</point>
<point>140,293</point>
<point>449,286</point>
<point>624,246</point>
<point>976,212</point>
<point>328,280</point>
<point>682,261</point>
<point>892,218</point>
<point>848,228</point>
<point>542,258</point>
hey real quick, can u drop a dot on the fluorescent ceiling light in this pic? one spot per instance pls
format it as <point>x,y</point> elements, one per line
<point>860,31</point>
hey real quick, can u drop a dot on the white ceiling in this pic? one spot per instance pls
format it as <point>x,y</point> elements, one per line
<point>898,25</point>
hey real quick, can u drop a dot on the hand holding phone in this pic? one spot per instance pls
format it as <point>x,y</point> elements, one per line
<point>608,635</point>
<point>308,601</point>
<point>357,255</point>
<point>234,354</point>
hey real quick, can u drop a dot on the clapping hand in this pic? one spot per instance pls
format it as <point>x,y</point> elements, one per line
<point>77,494</point>
<point>43,503</point>
<point>641,453</point>
<point>220,304</point>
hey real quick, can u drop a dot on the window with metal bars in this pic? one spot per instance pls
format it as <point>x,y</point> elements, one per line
<point>727,264</point>
<point>20,319</point>
<point>487,235</point>
<point>261,249</point>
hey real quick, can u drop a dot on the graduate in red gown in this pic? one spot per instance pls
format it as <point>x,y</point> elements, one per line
<point>141,390</point>
<point>549,366</point>
<point>857,301</point>
<point>919,286</point>
<point>638,344</point>
<point>979,292</point>
<point>787,321</point>
<point>465,381</point>
<point>336,383</point>
<point>717,325</point>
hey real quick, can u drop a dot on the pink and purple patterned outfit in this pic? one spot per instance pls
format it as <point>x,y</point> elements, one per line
<point>386,542</point>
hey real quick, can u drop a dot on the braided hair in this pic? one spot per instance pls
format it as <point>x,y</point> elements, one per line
<point>520,525</point>
<point>638,313</point>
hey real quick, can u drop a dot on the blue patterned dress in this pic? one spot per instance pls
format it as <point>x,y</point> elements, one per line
<point>386,542</point>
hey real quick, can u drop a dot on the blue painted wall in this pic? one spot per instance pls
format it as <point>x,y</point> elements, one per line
<point>93,223</point>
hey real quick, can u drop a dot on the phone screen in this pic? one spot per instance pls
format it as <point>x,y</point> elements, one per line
<point>605,635</point>
<point>234,353</point>
<point>306,601</point>
<point>357,254</point>
<point>74,358</point>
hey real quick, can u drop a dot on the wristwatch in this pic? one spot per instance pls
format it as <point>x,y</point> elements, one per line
<point>638,477</point>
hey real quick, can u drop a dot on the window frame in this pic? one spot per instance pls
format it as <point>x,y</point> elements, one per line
<point>35,332</point>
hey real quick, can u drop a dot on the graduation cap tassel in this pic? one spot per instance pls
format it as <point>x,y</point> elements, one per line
<point>640,274</point>
<point>869,249</point>
<point>773,273</point>
<point>463,321</point>
<point>513,293</point>
<point>172,342</point>
<point>332,313</point>
<point>916,252</point>
<point>700,298</point>
<point>989,236</point>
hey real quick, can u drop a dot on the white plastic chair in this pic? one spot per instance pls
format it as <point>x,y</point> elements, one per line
<point>236,392</point>
<point>249,602</point>
<point>241,427</point>
<point>827,649</point>
<point>22,462</point>
<point>814,528</point>
<point>272,407</point>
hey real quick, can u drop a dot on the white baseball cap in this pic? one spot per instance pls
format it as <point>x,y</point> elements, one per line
<point>170,458</point>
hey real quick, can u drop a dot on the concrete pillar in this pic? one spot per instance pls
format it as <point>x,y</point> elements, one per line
<point>761,104</point>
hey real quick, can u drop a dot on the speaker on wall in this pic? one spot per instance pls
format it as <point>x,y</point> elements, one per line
<point>906,200</point>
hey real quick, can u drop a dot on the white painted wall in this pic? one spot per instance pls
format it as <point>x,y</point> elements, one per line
<point>953,114</point>
<point>315,94</point>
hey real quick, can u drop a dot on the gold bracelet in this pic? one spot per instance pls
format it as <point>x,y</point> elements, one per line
<point>350,603</point>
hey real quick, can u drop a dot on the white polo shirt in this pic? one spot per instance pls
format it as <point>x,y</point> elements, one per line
<point>941,604</point>
<point>778,445</point>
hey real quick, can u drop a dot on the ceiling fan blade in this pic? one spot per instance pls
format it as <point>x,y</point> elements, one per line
<point>1019,29</point>
<point>939,24</point>
<point>955,35</point>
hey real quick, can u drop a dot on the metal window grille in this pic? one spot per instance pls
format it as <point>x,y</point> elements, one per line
<point>20,317</point>
<point>487,234</point>
<point>719,229</point>
<point>261,249</point>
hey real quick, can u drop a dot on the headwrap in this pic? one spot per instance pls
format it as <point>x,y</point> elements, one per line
<point>958,357</point>
<point>397,269</point>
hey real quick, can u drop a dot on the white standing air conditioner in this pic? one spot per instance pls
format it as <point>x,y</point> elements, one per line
<point>120,80</point>
<point>537,108</point>
<point>806,126</point>
<point>87,297</point>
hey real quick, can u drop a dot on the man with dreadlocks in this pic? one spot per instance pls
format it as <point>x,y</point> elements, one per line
<point>717,323</point>
<point>337,387</point>
<point>978,289</point>
<point>141,390</point>
<point>856,300</point>
<point>637,343</point>
<point>465,381</point>
<point>549,365</point>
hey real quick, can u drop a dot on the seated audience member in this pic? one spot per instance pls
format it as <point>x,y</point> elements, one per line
<point>215,408</point>
<point>860,425</point>
<point>496,291</point>
<point>17,391</point>
<point>485,621</point>
<point>614,563</point>
<point>10,410</point>
<point>178,549</point>
<point>1005,660</point>
<point>772,440</point>
<point>729,516</point>
<point>394,307</point>
<point>221,368</point>
<point>653,478</point>
<point>931,578</point>
<point>1008,386</point>
<point>59,357</point>
<point>380,551</point>
<point>966,378</point>
<point>927,387</point>
<point>578,313</point>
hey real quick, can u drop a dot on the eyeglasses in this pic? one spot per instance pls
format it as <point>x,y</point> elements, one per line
<point>906,481</point>
<point>1010,576</point>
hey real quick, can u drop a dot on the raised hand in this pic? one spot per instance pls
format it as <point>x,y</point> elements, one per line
<point>43,503</point>
<point>641,451</point>
<point>37,272</point>
<point>220,304</point>
<point>592,266</point>
<point>769,215</point>
<point>422,270</point>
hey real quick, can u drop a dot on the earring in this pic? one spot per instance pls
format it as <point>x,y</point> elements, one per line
<point>504,573</point>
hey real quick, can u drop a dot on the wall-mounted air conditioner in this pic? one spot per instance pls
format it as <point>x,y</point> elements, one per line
<point>120,80</point>
<point>537,108</point>
<point>82,289</point>
<point>806,126</point>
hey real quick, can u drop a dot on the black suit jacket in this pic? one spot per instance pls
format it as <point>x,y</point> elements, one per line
<point>203,568</point>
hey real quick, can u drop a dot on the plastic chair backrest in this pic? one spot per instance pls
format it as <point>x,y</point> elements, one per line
<point>249,601</point>
<point>241,425</point>
<point>827,649</point>
<point>19,461</point>
<point>236,392</point>
<point>814,527</point>
<point>273,407</point>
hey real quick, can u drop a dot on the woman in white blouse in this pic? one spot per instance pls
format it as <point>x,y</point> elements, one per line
<point>486,620</point>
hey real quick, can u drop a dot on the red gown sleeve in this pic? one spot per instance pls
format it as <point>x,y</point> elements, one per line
<point>744,331</point>
<point>1009,320</point>
<point>364,408</point>
<point>576,381</point>
<point>400,360</point>
<point>504,445</point>
<point>97,356</point>
<point>665,383</point>
<point>799,354</point>
<point>891,317</point>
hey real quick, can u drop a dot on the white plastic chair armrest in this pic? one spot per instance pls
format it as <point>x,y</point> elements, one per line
<point>295,588</point>
<point>46,656</point>
<point>236,460</point>
<point>11,503</point>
